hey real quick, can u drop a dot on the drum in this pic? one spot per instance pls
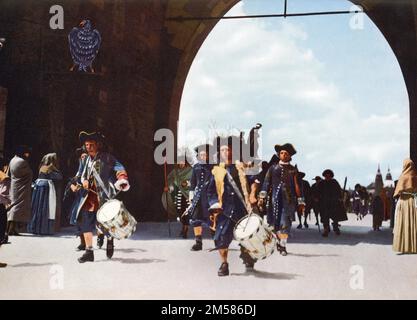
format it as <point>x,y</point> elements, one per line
<point>114,219</point>
<point>254,235</point>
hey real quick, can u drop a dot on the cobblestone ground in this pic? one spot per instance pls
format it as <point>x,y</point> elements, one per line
<point>359,264</point>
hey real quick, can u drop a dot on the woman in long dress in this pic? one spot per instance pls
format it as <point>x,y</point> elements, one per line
<point>45,196</point>
<point>405,228</point>
<point>4,202</point>
<point>20,190</point>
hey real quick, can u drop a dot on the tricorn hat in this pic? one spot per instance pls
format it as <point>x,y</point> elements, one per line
<point>328,171</point>
<point>95,136</point>
<point>287,147</point>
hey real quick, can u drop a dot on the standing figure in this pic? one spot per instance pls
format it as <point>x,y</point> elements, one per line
<point>331,205</point>
<point>45,197</point>
<point>179,187</point>
<point>378,202</point>
<point>102,175</point>
<point>365,199</point>
<point>20,190</point>
<point>4,203</point>
<point>357,202</point>
<point>315,198</point>
<point>199,209</point>
<point>228,196</point>
<point>306,191</point>
<point>394,201</point>
<point>405,235</point>
<point>283,183</point>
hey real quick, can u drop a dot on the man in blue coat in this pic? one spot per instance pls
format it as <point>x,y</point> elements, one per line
<point>199,209</point>
<point>228,202</point>
<point>102,177</point>
<point>283,182</point>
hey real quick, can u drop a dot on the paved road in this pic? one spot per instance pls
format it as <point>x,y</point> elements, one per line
<point>359,264</point>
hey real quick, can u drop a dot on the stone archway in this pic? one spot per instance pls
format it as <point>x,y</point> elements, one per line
<point>400,35</point>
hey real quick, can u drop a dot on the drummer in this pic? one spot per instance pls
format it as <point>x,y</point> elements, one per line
<point>228,199</point>
<point>102,174</point>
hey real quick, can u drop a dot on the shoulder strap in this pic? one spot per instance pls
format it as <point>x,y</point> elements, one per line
<point>236,189</point>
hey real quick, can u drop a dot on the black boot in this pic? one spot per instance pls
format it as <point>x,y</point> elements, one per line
<point>82,245</point>
<point>3,265</point>
<point>248,261</point>
<point>87,256</point>
<point>305,224</point>
<point>5,240</point>
<point>12,229</point>
<point>300,226</point>
<point>198,245</point>
<point>223,270</point>
<point>100,240</point>
<point>326,232</point>
<point>110,248</point>
<point>336,228</point>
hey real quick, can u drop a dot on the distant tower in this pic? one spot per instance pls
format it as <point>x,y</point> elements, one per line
<point>389,183</point>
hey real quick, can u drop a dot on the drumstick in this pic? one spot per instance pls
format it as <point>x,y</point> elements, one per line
<point>250,213</point>
<point>92,191</point>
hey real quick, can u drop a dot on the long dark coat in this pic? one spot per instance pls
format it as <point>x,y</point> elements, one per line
<point>20,190</point>
<point>330,200</point>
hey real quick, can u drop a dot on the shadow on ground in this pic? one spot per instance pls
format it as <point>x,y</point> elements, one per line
<point>27,264</point>
<point>267,275</point>
<point>132,260</point>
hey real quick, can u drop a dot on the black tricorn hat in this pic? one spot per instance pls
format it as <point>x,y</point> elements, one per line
<point>328,171</point>
<point>317,178</point>
<point>23,148</point>
<point>95,136</point>
<point>287,147</point>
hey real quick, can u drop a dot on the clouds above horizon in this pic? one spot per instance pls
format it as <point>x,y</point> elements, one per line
<point>248,72</point>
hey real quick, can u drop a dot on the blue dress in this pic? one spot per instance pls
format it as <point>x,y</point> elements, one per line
<point>40,222</point>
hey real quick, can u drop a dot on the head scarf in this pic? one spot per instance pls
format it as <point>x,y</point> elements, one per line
<point>49,163</point>
<point>408,178</point>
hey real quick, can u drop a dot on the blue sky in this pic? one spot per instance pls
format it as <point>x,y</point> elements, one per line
<point>335,92</point>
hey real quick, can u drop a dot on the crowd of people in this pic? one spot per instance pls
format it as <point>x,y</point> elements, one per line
<point>215,193</point>
<point>37,205</point>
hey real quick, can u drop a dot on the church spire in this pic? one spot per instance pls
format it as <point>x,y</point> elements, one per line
<point>388,176</point>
